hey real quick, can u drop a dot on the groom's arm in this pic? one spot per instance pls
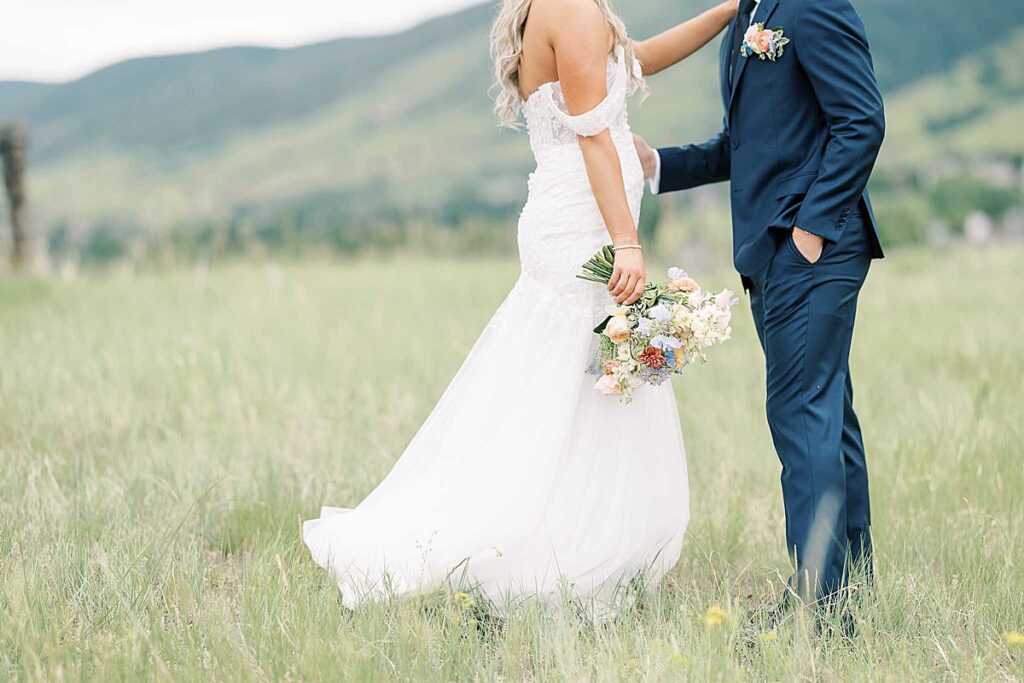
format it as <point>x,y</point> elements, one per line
<point>691,165</point>
<point>830,42</point>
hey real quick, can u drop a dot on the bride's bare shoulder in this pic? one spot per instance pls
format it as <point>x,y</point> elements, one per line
<point>565,41</point>
<point>568,17</point>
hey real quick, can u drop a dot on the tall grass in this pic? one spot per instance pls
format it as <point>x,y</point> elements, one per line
<point>162,435</point>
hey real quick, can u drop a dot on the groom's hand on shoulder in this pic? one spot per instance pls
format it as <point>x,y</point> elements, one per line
<point>648,157</point>
<point>808,244</point>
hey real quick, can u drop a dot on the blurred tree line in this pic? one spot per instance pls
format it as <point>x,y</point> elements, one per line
<point>906,207</point>
<point>465,224</point>
<point>13,163</point>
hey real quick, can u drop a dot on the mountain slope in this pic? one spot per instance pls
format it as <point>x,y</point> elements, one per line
<point>973,108</point>
<point>182,102</point>
<point>401,123</point>
<point>14,93</point>
<point>186,101</point>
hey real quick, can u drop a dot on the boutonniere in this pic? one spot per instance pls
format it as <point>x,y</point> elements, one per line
<point>766,43</point>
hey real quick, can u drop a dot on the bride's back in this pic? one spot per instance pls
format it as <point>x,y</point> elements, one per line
<point>537,63</point>
<point>526,36</point>
<point>577,74</point>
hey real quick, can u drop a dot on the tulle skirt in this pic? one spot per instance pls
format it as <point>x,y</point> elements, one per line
<point>524,483</point>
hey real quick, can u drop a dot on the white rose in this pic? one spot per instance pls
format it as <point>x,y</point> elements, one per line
<point>700,330</point>
<point>623,352</point>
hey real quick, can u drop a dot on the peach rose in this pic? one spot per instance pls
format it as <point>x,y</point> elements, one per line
<point>763,41</point>
<point>618,329</point>
<point>608,386</point>
<point>683,284</point>
<point>610,366</point>
<point>750,37</point>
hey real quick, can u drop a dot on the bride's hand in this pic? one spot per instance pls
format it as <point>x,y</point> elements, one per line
<point>629,278</point>
<point>682,40</point>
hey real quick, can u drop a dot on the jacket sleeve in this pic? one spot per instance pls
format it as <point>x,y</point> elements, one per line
<point>693,165</point>
<point>831,45</point>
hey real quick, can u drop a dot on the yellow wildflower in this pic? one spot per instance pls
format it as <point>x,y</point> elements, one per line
<point>464,600</point>
<point>715,616</point>
<point>1014,638</point>
<point>768,636</point>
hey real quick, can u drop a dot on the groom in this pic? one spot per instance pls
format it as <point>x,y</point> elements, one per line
<point>803,125</point>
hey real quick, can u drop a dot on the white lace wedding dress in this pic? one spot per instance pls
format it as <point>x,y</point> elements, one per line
<point>525,483</point>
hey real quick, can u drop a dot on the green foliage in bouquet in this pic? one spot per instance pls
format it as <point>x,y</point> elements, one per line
<point>599,269</point>
<point>668,328</point>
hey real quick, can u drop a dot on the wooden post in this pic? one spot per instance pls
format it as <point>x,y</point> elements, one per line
<point>14,150</point>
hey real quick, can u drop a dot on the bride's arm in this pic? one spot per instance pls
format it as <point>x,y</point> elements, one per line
<point>581,39</point>
<point>679,42</point>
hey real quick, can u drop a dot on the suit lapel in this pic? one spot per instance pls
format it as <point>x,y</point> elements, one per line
<point>724,57</point>
<point>764,12</point>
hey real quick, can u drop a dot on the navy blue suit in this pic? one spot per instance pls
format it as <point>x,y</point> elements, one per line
<point>799,140</point>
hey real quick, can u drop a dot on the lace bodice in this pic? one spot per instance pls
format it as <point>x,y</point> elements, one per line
<point>550,125</point>
<point>561,225</point>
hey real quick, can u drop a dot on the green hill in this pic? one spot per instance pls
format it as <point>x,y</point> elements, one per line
<point>973,108</point>
<point>397,129</point>
<point>184,102</point>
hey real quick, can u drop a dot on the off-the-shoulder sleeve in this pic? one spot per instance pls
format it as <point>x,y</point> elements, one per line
<point>601,117</point>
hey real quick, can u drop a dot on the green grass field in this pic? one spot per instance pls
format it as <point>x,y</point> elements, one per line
<point>162,435</point>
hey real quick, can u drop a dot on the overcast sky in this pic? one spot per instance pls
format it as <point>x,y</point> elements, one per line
<point>56,40</point>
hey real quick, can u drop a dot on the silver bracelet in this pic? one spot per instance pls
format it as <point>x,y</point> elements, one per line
<point>620,247</point>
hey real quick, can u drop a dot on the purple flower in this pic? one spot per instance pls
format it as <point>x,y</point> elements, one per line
<point>660,313</point>
<point>665,342</point>
<point>654,377</point>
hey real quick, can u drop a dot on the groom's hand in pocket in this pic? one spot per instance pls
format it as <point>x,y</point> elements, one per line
<point>808,244</point>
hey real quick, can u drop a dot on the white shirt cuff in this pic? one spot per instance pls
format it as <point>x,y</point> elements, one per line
<point>655,181</point>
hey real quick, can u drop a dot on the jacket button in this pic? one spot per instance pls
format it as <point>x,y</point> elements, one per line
<point>735,143</point>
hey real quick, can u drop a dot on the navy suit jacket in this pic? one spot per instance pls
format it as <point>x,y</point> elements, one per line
<point>800,134</point>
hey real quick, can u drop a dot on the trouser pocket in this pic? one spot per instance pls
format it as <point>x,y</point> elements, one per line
<point>826,247</point>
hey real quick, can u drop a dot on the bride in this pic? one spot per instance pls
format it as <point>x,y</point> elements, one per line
<point>524,482</point>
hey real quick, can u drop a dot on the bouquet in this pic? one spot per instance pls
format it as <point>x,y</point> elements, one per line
<point>666,329</point>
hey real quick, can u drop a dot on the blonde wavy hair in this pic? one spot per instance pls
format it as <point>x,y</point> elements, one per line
<point>507,50</point>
